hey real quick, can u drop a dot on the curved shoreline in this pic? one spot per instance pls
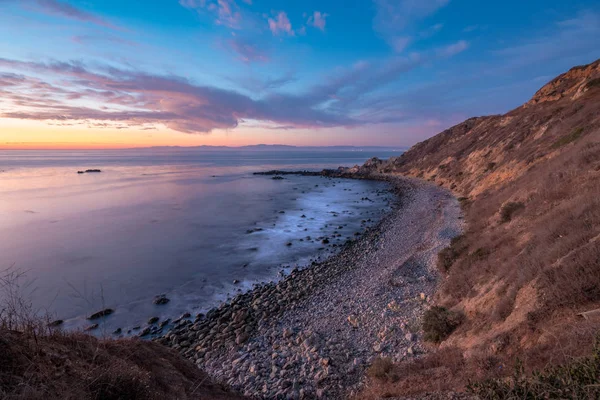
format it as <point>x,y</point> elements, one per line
<point>313,334</point>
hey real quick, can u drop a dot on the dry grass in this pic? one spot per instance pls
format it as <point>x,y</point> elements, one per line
<point>37,362</point>
<point>529,260</point>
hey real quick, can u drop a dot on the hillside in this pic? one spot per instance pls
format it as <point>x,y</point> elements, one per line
<point>79,366</point>
<point>529,261</point>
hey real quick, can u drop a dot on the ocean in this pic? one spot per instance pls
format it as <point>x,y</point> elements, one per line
<point>194,225</point>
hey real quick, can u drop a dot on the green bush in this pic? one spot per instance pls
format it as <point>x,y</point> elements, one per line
<point>509,209</point>
<point>579,379</point>
<point>439,323</point>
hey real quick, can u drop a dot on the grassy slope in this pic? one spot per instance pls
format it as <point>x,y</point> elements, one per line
<point>530,258</point>
<point>78,366</point>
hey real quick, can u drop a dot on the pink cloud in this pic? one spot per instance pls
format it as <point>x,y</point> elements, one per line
<point>226,12</point>
<point>281,24</point>
<point>318,20</point>
<point>66,10</point>
<point>247,51</point>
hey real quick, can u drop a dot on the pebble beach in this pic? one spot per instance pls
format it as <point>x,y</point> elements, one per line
<point>314,333</point>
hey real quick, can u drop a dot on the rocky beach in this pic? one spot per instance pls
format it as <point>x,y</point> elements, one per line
<point>314,333</point>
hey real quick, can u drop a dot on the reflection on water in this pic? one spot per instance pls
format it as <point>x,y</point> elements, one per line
<point>167,223</point>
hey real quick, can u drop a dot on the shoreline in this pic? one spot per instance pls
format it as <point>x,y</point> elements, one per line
<point>315,332</point>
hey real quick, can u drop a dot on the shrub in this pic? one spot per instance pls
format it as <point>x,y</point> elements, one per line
<point>490,166</point>
<point>509,209</point>
<point>576,380</point>
<point>439,323</point>
<point>382,369</point>
<point>447,256</point>
<point>594,83</point>
<point>571,137</point>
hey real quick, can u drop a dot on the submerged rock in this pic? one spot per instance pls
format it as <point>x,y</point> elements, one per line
<point>160,300</point>
<point>100,314</point>
<point>56,323</point>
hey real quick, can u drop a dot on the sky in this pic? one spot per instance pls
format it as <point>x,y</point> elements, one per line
<point>122,73</point>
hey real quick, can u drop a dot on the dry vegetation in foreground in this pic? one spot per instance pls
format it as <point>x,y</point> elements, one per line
<point>39,363</point>
<point>529,260</point>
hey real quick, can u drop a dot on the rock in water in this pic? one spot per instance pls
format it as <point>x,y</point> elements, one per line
<point>160,300</point>
<point>101,314</point>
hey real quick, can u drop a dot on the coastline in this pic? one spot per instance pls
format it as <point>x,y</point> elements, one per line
<point>315,332</point>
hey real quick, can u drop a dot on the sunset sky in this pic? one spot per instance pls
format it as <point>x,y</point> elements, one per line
<point>119,73</point>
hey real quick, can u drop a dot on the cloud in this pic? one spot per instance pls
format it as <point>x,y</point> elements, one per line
<point>393,18</point>
<point>432,30</point>
<point>64,9</point>
<point>454,48</point>
<point>570,40</point>
<point>225,12</point>
<point>400,43</point>
<point>318,20</point>
<point>137,98</point>
<point>90,39</point>
<point>280,24</point>
<point>247,51</point>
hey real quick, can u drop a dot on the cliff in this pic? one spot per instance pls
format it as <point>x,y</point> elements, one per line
<point>529,261</point>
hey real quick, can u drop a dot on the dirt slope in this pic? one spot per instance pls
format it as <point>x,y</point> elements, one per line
<point>529,262</point>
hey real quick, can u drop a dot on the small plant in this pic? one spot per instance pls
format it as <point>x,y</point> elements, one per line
<point>439,323</point>
<point>577,380</point>
<point>382,369</point>
<point>447,256</point>
<point>571,137</point>
<point>508,210</point>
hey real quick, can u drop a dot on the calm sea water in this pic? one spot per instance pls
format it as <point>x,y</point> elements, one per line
<point>171,222</point>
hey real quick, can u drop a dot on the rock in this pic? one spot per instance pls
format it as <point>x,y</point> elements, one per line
<point>92,327</point>
<point>165,323</point>
<point>325,241</point>
<point>160,300</point>
<point>378,347</point>
<point>101,314</point>
<point>423,297</point>
<point>409,336</point>
<point>92,170</point>
<point>235,281</point>
<point>145,332</point>
<point>394,306</point>
<point>287,333</point>
<point>277,178</point>
<point>410,351</point>
<point>242,338</point>
<point>353,320</point>
<point>117,331</point>
<point>153,320</point>
<point>288,244</point>
<point>56,323</point>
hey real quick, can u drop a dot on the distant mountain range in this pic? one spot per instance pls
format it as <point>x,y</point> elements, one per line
<point>278,147</point>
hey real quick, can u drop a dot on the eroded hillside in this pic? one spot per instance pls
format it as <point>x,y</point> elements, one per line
<point>529,262</point>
